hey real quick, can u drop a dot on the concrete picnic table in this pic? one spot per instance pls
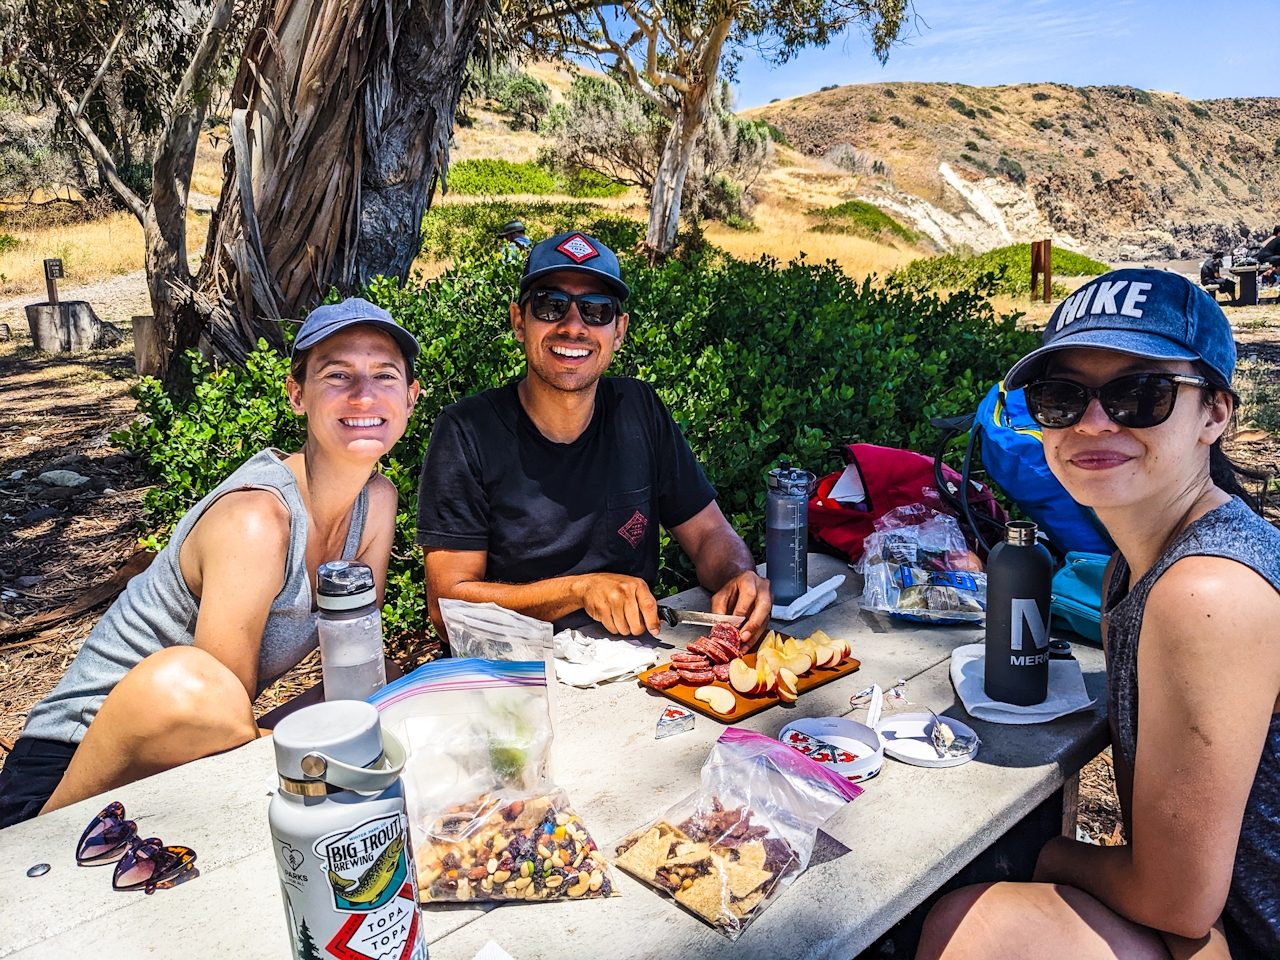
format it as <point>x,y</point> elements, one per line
<point>882,854</point>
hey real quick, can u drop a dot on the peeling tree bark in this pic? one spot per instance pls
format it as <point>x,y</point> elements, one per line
<point>677,155</point>
<point>342,113</point>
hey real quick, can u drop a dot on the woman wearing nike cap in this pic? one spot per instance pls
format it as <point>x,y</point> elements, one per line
<point>170,672</point>
<point>1133,390</point>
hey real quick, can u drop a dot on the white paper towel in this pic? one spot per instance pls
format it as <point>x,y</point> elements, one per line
<point>813,600</point>
<point>583,661</point>
<point>1066,689</point>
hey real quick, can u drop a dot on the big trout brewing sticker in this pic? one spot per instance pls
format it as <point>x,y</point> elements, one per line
<point>367,869</point>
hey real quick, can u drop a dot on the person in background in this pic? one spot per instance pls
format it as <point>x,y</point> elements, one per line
<point>514,243</point>
<point>170,672</point>
<point>1269,255</point>
<point>1211,274</point>
<point>1133,391</point>
<point>545,495</point>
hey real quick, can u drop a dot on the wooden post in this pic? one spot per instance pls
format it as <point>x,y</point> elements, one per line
<point>1046,263</point>
<point>52,274</point>
<point>1035,266</point>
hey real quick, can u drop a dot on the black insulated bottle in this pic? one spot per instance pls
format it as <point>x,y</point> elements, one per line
<point>1019,589</point>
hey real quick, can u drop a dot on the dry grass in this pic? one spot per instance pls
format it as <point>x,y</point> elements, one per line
<point>97,250</point>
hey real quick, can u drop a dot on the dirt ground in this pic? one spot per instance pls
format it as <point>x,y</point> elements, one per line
<point>59,412</point>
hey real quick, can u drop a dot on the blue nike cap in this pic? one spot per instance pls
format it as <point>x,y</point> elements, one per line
<point>1156,314</point>
<point>574,253</point>
<point>325,321</point>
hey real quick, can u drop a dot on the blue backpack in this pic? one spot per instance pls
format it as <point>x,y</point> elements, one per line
<point>1013,456</point>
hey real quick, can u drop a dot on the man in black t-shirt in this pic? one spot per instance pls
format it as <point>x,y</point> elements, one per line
<point>545,496</point>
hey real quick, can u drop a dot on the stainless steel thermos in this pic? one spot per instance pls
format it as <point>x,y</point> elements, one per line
<point>1019,590</point>
<point>786,532</point>
<point>341,836</point>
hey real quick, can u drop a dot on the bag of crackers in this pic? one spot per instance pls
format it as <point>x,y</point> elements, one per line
<point>486,821</point>
<point>728,850</point>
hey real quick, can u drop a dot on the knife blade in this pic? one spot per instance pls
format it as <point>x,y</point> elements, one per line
<point>700,617</point>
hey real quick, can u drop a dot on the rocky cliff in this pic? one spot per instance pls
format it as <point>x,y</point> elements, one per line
<point>1119,173</point>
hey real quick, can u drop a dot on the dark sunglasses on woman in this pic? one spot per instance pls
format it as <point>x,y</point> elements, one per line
<point>1137,400</point>
<point>143,864</point>
<point>551,306</point>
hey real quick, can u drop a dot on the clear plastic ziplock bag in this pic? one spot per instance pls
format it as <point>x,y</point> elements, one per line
<point>917,566</point>
<point>728,850</point>
<point>486,820</point>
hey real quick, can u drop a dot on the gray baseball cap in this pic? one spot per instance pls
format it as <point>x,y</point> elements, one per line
<point>325,321</point>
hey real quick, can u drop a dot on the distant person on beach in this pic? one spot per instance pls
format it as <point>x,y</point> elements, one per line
<point>170,672</point>
<point>1134,400</point>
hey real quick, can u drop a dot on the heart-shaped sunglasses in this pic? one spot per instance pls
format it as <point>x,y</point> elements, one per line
<point>142,864</point>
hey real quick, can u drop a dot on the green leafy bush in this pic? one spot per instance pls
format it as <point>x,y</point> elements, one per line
<point>862,219</point>
<point>1198,110</point>
<point>958,105</point>
<point>1011,169</point>
<point>1040,96</point>
<point>1042,124</point>
<point>8,241</point>
<point>493,177</point>
<point>1009,267</point>
<point>756,361</point>
<point>455,230</point>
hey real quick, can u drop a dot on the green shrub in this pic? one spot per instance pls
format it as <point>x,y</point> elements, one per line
<point>1011,169</point>
<point>1010,267</point>
<point>492,177</point>
<point>455,230</point>
<point>1198,110</point>
<point>861,219</point>
<point>1042,124</point>
<point>756,361</point>
<point>1089,153</point>
<point>958,105</point>
<point>1040,96</point>
<point>8,241</point>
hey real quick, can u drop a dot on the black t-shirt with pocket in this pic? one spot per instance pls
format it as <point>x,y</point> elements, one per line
<point>540,509</point>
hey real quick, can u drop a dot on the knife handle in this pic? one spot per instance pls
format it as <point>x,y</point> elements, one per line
<point>667,614</point>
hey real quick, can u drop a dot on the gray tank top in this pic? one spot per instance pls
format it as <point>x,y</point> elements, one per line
<point>157,610</point>
<point>1237,533</point>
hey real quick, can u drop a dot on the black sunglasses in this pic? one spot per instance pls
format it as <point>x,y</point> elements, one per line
<point>1137,400</point>
<point>551,306</point>
<point>143,864</point>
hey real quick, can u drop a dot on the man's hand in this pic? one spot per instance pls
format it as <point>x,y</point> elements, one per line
<point>746,595</point>
<point>623,605</point>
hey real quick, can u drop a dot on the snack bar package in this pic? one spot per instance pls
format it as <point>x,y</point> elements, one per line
<point>727,851</point>
<point>485,818</point>
<point>917,566</point>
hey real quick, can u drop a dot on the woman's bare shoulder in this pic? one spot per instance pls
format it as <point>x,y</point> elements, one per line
<point>250,516</point>
<point>1214,603</point>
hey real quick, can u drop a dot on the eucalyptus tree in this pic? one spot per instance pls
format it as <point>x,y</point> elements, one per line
<point>674,51</point>
<point>130,79</point>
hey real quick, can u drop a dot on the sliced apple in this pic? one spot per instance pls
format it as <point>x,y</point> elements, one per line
<point>788,648</point>
<point>826,656</point>
<point>717,698</point>
<point>799,665</point>
<point>743,678</point>
<point>769,677</point>
<point>808,646</point>
<point>788,686</point>
<point>770,658</point>
<point>819,636</point>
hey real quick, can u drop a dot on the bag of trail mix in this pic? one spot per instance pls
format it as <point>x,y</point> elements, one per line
<point>486,821</point>
<point>726,851</point>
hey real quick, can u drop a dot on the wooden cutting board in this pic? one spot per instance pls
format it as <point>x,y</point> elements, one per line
<point>747,704</point>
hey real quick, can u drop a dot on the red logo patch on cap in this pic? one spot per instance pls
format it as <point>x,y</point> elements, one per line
<point>578,248</point>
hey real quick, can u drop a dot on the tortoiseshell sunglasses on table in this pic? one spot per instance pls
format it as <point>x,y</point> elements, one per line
<point>142,864</point>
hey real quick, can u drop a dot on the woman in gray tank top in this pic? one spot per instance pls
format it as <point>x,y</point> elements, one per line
<point>170,672</point>
<point>1133,388</point>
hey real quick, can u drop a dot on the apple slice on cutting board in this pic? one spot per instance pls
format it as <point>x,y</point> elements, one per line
<point>717,698</point>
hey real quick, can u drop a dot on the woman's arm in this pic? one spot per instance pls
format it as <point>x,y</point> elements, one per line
<point>234,561</point>
<point>379,531</point>
<point>1208,677</point>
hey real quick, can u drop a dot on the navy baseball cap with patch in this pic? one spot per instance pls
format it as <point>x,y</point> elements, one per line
<point>325,321</point>
<point>574,253</point>
<point>1156,314</point>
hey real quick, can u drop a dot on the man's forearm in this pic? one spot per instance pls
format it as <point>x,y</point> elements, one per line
<point>727,558</point>
<point>543,599</point>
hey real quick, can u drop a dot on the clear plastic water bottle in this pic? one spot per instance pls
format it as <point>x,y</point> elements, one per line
<point>350,629</point>
<point>786,531</point>
<point>1019,590</point>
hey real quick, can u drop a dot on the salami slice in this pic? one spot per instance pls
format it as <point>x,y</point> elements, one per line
<point>712,651</point>
<point>663,679</point>
<point>692,659</point>
<point>721,670</point>
<point>725,631</point>
<point>727,650</point>
<point>696,676</point>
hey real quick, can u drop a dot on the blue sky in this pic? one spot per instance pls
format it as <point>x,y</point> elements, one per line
<point>1201,50</point>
